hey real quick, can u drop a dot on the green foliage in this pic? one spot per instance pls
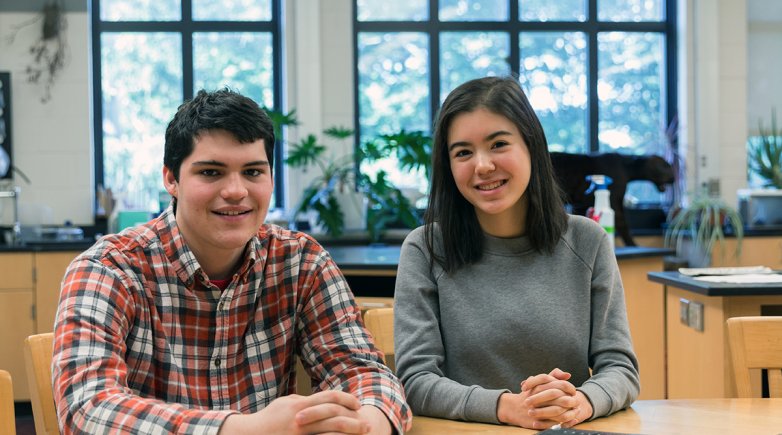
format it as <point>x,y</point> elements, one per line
<point>412,149</point>
<point>281,119</point>
<point>386,204</point>
<point>336,175</point>
<point>765,153</point>
<point>703,221</point>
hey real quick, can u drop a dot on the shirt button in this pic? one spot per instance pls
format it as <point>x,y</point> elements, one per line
<point>220,306</point>
<point>217,362</point>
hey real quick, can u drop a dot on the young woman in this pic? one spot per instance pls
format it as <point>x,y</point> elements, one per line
<point>507,309</point>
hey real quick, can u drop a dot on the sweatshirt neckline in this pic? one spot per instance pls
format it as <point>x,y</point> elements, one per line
<point>506,246</point>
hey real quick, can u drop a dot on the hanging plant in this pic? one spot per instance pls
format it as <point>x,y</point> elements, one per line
<point>49,50</point>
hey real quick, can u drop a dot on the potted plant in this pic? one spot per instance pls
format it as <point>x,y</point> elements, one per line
<point>388,207</point>
<point>339,185</point>
<point>336,179</point>
<point>702,223</point>
<point>765,154</point>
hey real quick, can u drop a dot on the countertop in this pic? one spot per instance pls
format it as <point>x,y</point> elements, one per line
<point>386,257</point>
<point>366,257</point>
<point>676,279</point>
<point>52,246</point>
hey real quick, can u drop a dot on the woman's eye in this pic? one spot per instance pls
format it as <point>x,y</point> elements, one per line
<point>461,153</point>
<point>500,144</point>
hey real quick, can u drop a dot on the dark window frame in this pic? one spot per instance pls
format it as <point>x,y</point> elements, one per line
<point>185,27</point>
<point>591,27</point>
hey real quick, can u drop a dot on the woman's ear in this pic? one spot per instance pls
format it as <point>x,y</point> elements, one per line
<point>170,181</point>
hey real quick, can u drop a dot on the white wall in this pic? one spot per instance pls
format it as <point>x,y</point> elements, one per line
<point>52,140</point>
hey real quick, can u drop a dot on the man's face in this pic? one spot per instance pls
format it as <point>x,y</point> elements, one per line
<point>223,194</point>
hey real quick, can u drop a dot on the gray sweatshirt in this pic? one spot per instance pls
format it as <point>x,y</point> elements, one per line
<point>462,339</point>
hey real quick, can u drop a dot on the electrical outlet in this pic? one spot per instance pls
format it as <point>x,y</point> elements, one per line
<point>684,311</point>
<point>695,316</point>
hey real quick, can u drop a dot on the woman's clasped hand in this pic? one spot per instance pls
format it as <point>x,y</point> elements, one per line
<point>545,400</point>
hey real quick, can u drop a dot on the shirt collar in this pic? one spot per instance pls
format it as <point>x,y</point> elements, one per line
<point>183,259</point>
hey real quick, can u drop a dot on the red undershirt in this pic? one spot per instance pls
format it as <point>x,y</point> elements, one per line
<point>222,284</point>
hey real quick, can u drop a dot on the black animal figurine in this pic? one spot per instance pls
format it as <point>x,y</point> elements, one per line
<point>571,171</point>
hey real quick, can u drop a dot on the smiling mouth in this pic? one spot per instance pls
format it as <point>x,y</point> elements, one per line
<point>491,186</point>
<point>231,213</point>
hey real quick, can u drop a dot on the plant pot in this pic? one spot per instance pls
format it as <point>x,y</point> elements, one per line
<point>696,257</point>
<point>354,207</point>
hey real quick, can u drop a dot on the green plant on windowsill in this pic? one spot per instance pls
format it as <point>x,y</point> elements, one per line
<point>337,177</point>
<point>765,153</point>
<point>703,221</point>
<point>388,207</point>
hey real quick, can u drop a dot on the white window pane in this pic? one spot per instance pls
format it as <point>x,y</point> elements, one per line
<point>553,75</point>
<point>384,10</point>
<point>140,10</point>
<point>232,10</point>
<point>474,10</point>
<point>241,61</point>
<point>630,92</point>
<point>393,87</point>
<point>469,55</point>
<point>141,89</point>
<point>547,10</point>
<point>630,10</point>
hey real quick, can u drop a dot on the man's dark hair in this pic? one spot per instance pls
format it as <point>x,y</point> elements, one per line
<point>218,110</point>
<point>462,235</point>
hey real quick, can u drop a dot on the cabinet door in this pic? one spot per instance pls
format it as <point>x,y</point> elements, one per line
<point>16,324</point>
<point>49,271</point>
<point>16,316</point>
<point>16,271</point>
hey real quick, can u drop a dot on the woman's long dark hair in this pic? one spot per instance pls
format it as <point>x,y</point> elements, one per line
<point>462,236</point>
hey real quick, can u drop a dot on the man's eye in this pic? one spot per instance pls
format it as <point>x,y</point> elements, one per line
<point>254,172</point>
<point>209,172</point>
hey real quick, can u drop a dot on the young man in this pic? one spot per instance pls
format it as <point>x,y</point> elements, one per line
<point>191,323</point>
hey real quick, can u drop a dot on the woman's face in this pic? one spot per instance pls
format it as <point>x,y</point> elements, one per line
<point>490,163</point>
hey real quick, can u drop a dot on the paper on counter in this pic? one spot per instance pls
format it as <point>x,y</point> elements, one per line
<point>754,278</point>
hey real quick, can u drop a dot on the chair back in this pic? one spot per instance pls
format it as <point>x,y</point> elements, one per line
<point>380,323</point>
<point>38,356</point>
<point>7,417</point>
<point>756,343</point>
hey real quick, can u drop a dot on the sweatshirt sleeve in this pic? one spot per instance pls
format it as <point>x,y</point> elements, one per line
<point>420,354</point>
<point>615,382</point>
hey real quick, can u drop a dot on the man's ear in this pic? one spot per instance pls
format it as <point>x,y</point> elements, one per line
<point>170,182</point>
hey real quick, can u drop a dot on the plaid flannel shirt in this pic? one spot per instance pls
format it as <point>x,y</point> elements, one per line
<point>145,344</point>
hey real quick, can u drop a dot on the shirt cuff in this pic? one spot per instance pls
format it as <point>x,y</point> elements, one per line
<point>481,405</point>
<point>597,396</point>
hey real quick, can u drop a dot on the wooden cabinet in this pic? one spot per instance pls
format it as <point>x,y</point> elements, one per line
<point>699,362</point>
<point>646,315</point>
<point>29,292</point>
<point>755,251</point>
<point>49,271</point>
<point>16,316</point>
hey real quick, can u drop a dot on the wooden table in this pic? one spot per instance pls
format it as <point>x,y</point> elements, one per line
<point>707,416</point>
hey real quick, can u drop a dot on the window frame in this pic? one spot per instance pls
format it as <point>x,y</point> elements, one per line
<point>186,26</point>
<point>514,26</point>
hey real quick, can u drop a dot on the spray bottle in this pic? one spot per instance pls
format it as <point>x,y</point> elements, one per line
<point>602,212</point>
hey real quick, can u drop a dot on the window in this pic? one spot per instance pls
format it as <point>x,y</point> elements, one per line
<point>599,73</point>
<point>151,55</point>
